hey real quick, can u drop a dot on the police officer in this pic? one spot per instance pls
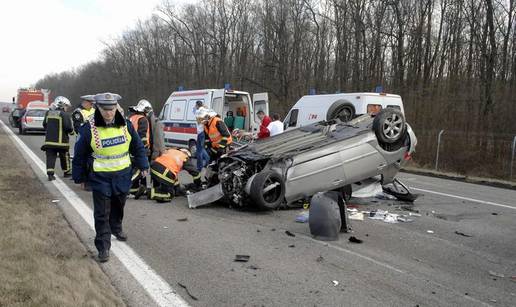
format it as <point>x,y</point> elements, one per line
<point>83,112</point>
<point>58,126</point>
<point>106,143</point>
<point>165,173</point>
<point>217,136</point>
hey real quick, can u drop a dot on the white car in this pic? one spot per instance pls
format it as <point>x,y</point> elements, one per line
<point>32,120</point>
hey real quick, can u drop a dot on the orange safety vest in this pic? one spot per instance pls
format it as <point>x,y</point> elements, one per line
<point>173,160</point>
<point>135,118</point>
<point>214,134</point>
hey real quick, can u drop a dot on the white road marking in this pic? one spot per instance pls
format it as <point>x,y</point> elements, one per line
<point>464,198</point>
<point>157,288</point>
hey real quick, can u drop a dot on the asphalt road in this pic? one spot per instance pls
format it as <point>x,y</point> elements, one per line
<point>396,265</point>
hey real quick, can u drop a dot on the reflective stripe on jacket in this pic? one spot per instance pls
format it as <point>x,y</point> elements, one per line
<point>215,137</point>
<point>173,160</point>
<point>110,148</point>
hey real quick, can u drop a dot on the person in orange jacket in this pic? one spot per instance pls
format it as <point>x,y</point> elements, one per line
<point>217,136</point>
<point>165,174</point>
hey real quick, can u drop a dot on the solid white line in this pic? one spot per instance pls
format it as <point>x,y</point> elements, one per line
<point>464,198</point>
<point>157,288</point>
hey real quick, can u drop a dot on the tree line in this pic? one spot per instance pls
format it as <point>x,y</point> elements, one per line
<point>452,61</point>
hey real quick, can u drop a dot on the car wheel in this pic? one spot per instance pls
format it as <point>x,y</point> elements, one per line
<point>389,126</point>
<point>267,190</point>
<point>399,190</point>
<point>341,109</point>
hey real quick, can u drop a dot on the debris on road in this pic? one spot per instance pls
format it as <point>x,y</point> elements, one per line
<point>242,258</point>
<point>463,234</point>
<point>289,233</point>
<point>495,274</point>
<point>165,227</point>
<point>430,231</point>
<point>55,200</point>
<point>187,291</point>
<point>356,216</point>
<point>182,219</point>
<point>320,259</point>
<point>494,213</point>
<point>354,239</point>
<point>335,283</point>
<point>292,246</point>
<point>253,267</point>
<point>303,217</point>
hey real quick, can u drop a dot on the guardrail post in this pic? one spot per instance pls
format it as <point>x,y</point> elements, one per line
<point>512,157</point>
<point>438,147</point>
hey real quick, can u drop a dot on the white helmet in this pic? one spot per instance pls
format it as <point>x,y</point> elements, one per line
<point>60,102</point>
<point>142,106</point>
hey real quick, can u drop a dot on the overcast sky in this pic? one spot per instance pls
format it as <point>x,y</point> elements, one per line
<point>45,36</point>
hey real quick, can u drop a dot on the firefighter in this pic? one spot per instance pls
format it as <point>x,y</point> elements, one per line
<point>217,136</point>
<point>83,112</point>
<point>165,174</point>
<point>142,126</point>
<point>106,143</point>
<point>58,126</point>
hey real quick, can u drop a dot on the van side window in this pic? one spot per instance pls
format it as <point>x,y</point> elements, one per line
<point>178,110</point>
<point>190,112</point>
<point>217,105</point>
<point>164,112</point>
<point>394,107</point>
<point>292,121</point>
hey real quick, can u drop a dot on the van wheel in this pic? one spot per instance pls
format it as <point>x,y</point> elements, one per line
<point>267,190</point>
<point>341,109</point>
<point>389,126</point>
<point>192,147</point>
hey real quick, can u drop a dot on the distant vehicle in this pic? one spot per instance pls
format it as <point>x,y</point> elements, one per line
<point>33,118</point>
<point>15,116</point>
<point>25,96</point>
<point>310,109</point>
<point>235,107</point>
<point>6,109</point>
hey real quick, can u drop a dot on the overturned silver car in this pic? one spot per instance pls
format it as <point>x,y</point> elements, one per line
<point>293,166</point>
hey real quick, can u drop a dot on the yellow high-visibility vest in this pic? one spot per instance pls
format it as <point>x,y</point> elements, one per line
<point>110,148</point>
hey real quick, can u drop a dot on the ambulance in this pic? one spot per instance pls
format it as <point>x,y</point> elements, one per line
<point>236,108</point>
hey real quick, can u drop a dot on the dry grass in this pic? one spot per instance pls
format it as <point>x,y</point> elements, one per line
<point>42,262</point>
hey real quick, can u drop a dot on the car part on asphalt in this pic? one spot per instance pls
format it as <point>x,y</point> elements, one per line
<point>354,239</point>
<point>242,258</point>
<point>400,191</point>
<point>328,216</point>
<point>288,233</point>
<point>205,197</point>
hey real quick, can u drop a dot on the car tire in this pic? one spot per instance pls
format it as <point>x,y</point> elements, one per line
<point>272,198</point>
<point>341,109</point>
<point>389,126</point>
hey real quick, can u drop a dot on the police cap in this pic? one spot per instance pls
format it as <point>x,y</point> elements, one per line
<point>107,99</point>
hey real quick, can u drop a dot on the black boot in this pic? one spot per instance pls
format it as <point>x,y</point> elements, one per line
<point>51,177</point>
<point>103,256</point>
<point>120,236</point>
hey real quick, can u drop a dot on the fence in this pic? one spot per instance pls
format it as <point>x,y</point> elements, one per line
<point>467,153</point>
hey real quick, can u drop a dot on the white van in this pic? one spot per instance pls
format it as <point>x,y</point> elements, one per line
<point>314,108</point>
<point>235,107</point>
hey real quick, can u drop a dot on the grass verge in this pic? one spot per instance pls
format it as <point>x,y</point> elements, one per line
<point>42,261</point>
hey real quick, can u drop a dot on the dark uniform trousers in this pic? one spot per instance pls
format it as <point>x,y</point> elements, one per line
<point>64,158</point>
<point>108,212</point>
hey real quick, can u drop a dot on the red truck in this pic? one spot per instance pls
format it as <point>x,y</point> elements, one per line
<point>27,95</point>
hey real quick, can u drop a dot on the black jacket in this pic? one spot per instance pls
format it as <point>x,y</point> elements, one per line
<point>58,125</point>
